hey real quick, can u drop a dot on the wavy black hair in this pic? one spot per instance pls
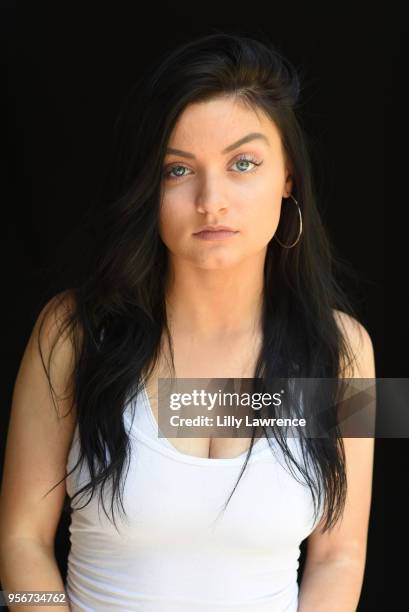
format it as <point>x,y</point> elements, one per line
<point>117,317</point>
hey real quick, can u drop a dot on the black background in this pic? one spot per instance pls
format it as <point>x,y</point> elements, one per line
<point>67,70</point>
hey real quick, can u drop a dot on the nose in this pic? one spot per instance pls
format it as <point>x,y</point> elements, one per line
<point>210,198</point>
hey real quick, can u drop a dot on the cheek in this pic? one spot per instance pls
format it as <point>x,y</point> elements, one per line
<point>173,220</point>
<point>169,219</point>
<point>262,219</point>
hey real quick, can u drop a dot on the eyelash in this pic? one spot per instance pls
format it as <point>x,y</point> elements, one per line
<point>243,157</point>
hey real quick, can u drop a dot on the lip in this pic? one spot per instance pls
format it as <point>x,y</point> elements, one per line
<point>215,228</point>
<point>215,234</point>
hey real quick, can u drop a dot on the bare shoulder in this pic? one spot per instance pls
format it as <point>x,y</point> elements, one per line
<point>54,315</point>
<point>54,340</point>
<point>359,342</point>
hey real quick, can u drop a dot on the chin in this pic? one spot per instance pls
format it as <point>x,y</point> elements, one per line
<point>216,262</point>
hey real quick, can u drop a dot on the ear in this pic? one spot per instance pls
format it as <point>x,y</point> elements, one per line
<point>288,185</point>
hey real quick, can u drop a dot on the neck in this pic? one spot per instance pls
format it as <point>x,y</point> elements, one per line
<point>216,304</point>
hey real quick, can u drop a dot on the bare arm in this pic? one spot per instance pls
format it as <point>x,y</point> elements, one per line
<point>38,442</point>
<point>335,562</point>
<point>331,585</point>
<point>27,565</point>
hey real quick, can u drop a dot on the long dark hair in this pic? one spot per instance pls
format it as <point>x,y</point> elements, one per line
<point>118,297</point>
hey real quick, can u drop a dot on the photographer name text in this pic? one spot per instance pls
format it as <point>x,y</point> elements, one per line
<point>232,421</point>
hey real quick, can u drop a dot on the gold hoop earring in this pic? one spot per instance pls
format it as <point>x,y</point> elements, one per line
<point>300,230</point>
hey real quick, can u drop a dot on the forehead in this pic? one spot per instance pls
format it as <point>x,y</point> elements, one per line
<point>218,122</point>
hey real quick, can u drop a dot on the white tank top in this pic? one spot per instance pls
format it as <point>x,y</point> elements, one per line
<point>176,551</point>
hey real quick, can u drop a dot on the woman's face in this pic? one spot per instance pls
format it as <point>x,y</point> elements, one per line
<point>207,181</point>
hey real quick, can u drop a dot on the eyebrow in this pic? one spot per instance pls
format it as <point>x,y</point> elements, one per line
<point>247,138</point>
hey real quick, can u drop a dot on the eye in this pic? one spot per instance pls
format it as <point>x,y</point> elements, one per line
<point>168,174</point>
<point>248,159</point>
<point>242,158</point>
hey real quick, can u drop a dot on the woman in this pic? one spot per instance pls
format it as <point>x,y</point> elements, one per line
<point>209,139</point>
